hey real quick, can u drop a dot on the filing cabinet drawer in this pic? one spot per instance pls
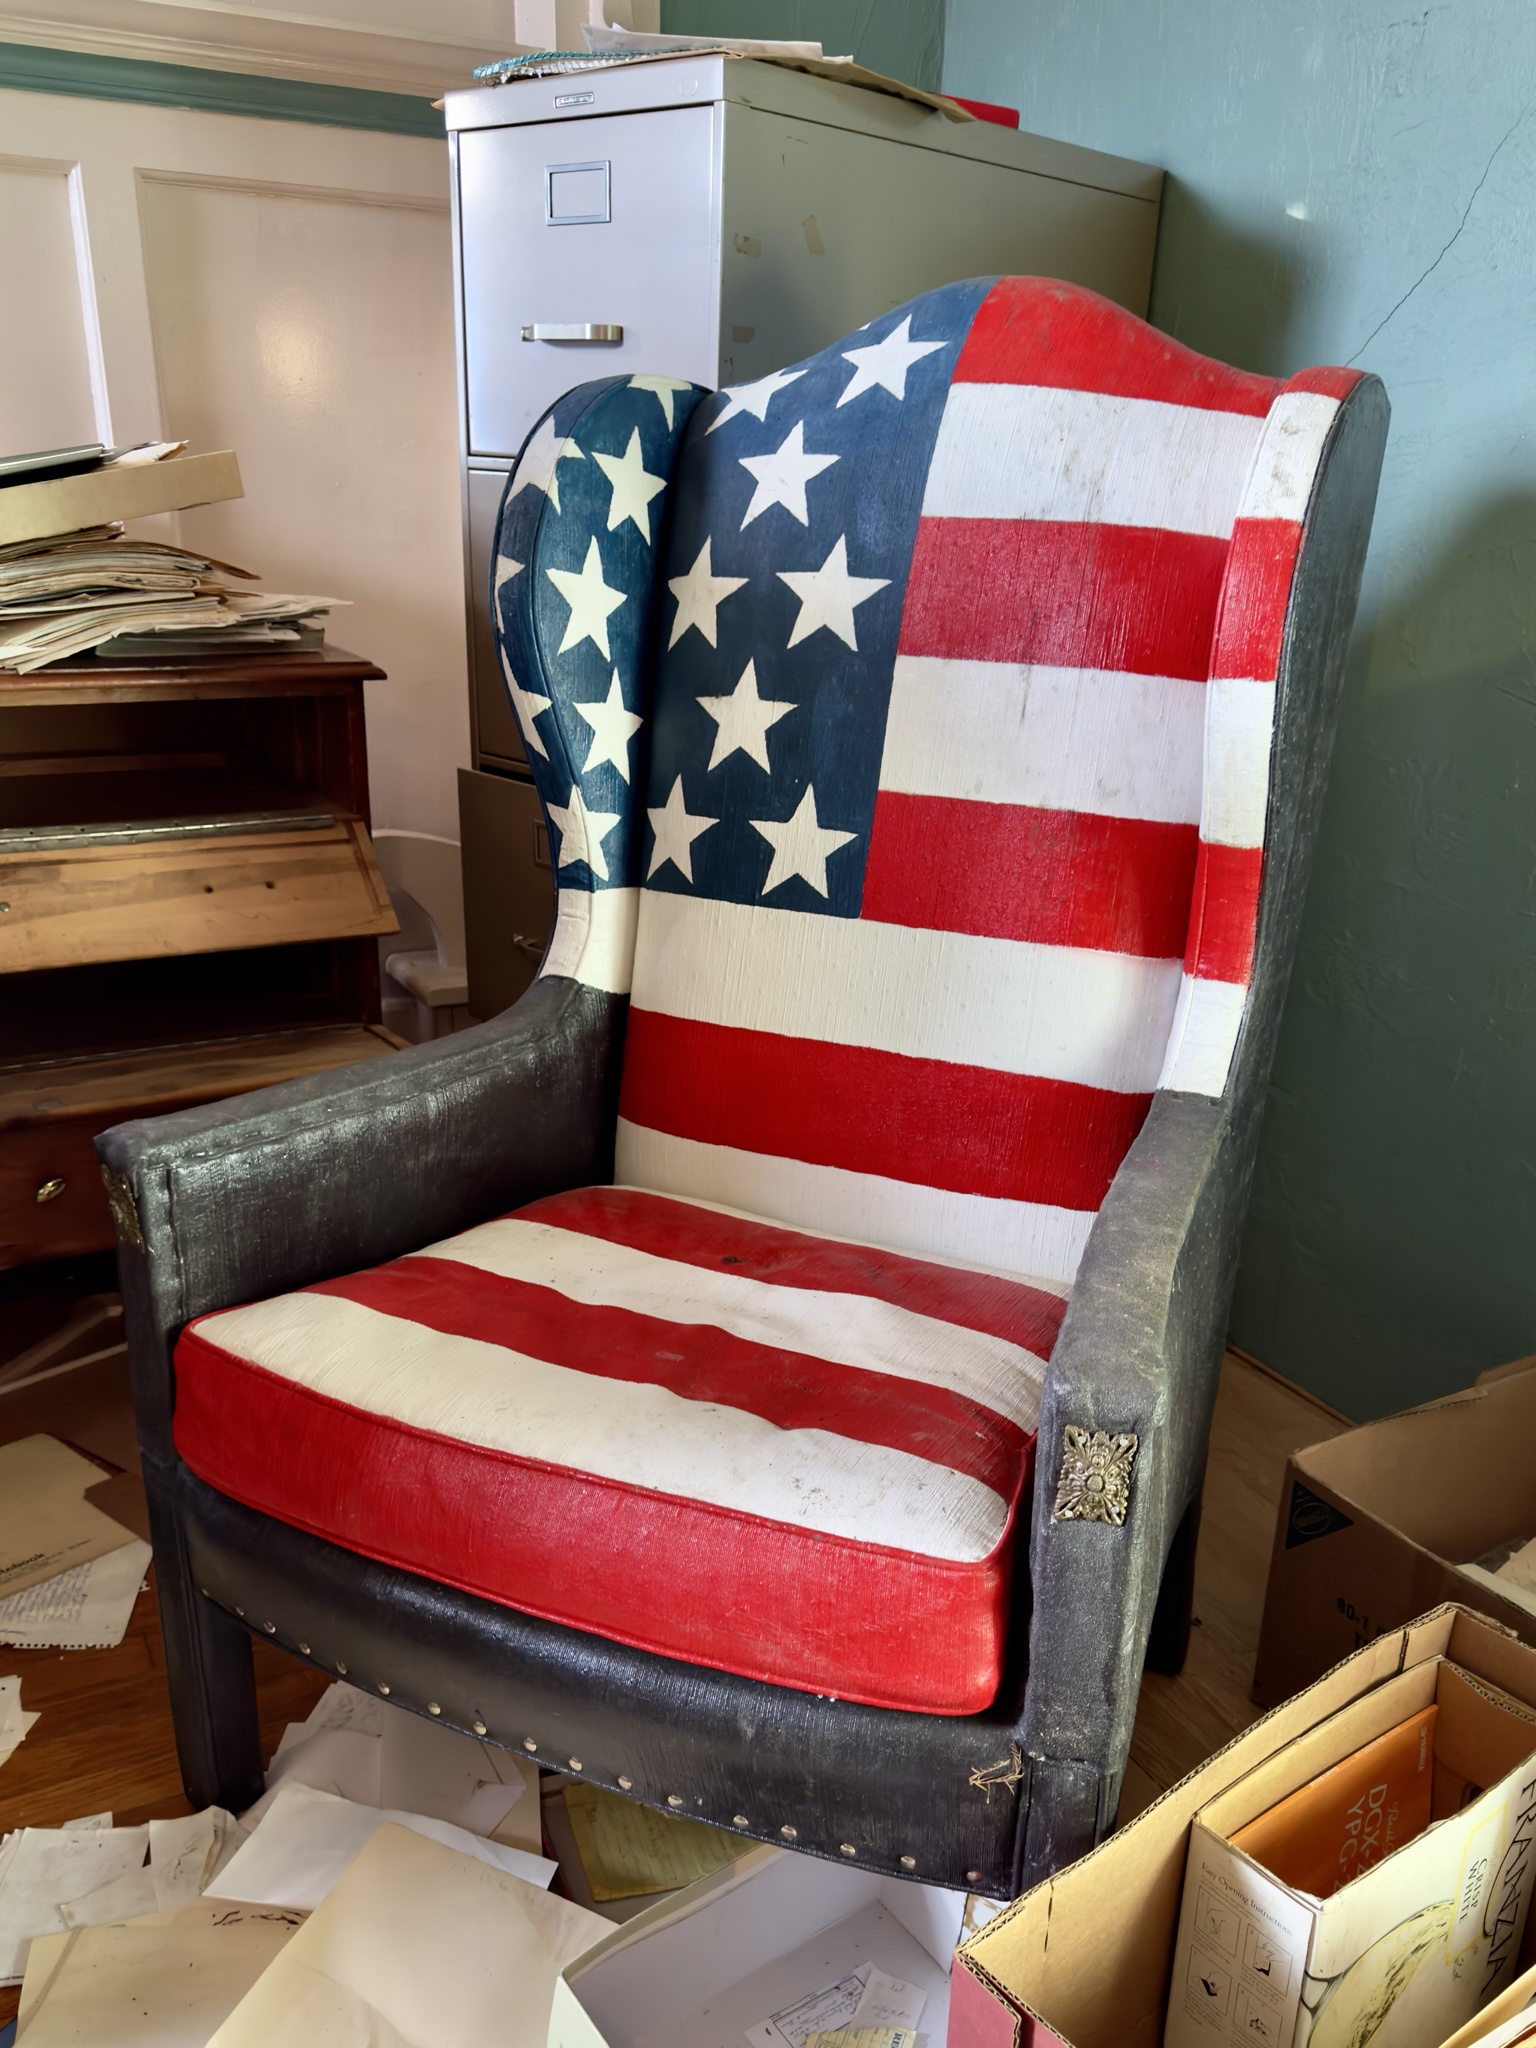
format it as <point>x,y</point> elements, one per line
<point>509,887</point>
<point>538,251</point>
<point>496,732</point>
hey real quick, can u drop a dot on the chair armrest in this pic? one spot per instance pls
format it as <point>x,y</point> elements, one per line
<point>1139,1352</point>
<point>275,1189</point>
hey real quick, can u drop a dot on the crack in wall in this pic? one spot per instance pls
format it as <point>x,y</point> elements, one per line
<point>1433,267</point>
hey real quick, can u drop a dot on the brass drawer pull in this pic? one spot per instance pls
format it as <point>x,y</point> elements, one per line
<point>51,1190</point>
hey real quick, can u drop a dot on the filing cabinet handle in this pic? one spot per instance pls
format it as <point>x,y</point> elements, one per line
<point>581,330</point>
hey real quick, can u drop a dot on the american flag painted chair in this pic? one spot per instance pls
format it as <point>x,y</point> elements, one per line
<point>768,1371</point>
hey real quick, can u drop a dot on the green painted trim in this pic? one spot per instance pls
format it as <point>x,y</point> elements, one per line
<point>72,72</point>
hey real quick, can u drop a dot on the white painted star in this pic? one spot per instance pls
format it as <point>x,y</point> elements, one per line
<point>828,596</point>
<point>700,595</point>
<point>800,845</point>
<point>582,833</point>
<point>613,727</point>
<point>506,569</point>
<point>744,719</point>
<point>886,363</point>
<point>753,398</point>
<point>590,599</point>
<point>527,704</point>
<point>633,485</point>
<point>675,832</point>
<point>540,466</point>
<point>661,389</point>
<point>782,476</point>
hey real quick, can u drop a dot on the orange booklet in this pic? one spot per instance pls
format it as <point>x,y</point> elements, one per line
<point>1351,1816</point>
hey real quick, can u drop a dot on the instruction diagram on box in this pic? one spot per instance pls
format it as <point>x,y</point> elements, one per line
<point>1239,1976</point>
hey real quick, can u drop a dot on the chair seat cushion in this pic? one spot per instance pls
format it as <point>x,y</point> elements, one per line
<point>697,1432</point>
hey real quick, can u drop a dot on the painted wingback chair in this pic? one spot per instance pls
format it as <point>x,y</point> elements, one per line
<point>768,1370</point>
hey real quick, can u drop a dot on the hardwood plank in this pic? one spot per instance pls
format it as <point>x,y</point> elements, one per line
<point>163,897</point>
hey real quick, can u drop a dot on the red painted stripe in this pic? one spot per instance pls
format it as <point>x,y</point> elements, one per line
<point>1073,594</point>
<point>1036,330</point>
<point>697,1362</point>
<point>1255,595</point>
<point>676,1577</point>
<point>1226,898</point>
<point>1328,383</point>
<point>1013,1137</point>
<point>692,1236</point>
<point>1053,878</point>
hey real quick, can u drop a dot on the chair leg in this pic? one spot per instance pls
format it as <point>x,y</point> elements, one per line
<point>210,1676</point>
<point>1168,1640</point>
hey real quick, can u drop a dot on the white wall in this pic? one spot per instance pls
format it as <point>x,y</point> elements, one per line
<point>284,290</point>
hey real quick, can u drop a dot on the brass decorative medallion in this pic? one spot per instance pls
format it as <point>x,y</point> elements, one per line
<point>125,1214</point>
<point>1095,1482</point>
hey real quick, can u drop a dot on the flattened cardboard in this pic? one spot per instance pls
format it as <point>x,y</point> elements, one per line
<point>1373,1524</point>
<point>46,1524</point>
<point>1085,1959</point>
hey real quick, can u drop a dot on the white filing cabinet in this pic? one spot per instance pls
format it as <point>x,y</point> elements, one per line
<point>714,218</point>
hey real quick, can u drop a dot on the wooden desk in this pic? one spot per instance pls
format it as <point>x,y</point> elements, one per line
<point>189,906</point>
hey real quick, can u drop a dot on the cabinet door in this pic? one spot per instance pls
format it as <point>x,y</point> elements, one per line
<point>613,222</point>
<point>496,735</point>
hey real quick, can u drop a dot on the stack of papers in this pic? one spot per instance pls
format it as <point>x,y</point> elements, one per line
<point>69,1574</point>
<point>97,589</point>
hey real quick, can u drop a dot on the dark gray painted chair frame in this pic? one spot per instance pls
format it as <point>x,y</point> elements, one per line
<point>274,1190</point>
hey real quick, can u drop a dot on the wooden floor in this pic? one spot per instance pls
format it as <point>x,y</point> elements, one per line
<point>104,1741</point>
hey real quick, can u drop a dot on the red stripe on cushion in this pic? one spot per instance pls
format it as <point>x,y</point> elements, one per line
<point>697,1362</point>
<point>1328,383</point>
<point>986,1302</point>
<point>1053,878</point>
<point>1226,900</point>
<point>1014,1137</point>
<point>1067,593</point>
<point>678,1578</point>
<point>1034,330</point>
<point>1255,595</point>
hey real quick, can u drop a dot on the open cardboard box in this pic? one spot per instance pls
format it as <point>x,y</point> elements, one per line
<point>1374,1524</point>
<point>1086,1960</point>
<point>700,1968</point>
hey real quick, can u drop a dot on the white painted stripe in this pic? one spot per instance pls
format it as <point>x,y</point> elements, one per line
<point>1204,1036</point>
<point>904,1216</point>
<point>1285,462</point>
<point>594,938</point>
<point>1066,1013</point>
<point>845,1329</point>
<point>1024,451</point>
<point>633,1434</point>
<point>1239,719</point>
<point>1060,739</point>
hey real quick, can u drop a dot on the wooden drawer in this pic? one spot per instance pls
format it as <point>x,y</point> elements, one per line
<point>50,1114</point>
<point>197,895</point>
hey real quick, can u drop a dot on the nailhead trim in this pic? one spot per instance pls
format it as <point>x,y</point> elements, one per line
<point>383,1687</point>
<point>674,1799</point>
<point>270,1627</point>
<point>973,1877</point>
<point>433,1707</point>
<point>626,1784</point>
<point>574,1762</point>
<point>847,1848</point>
<point>303,1649</point>
<point>529,1744</point>
<point>738,1820</point>
<point>790,1834</point>
<point>478,1726</point>
<point>909,1863</point>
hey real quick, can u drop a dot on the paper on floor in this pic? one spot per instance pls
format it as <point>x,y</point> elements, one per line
<point>46,1524</point>
<point>86,1608</point>
<point>168,1980</point>
<point>865,2037</point>
<point>820,2012</point>
<point>43,1868</point>
<point>15,1721</point>
<point>888,2002</point>
<point>417,1944</point>
<point>628,1851</point>
<point>306,1839</point>
<point>358,1747</point>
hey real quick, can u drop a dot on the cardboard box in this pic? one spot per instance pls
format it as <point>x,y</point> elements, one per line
<point>1409,1949</point>
<point>698,1970</point>
<point>1086,1960</point>
<point>1374,1525</point>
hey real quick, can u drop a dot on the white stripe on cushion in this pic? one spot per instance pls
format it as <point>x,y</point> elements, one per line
<point>1285,465</point>
<point>1025,451</point>
<point>1026,1238</point>
<point>844,1329</point>
<point>1240,717</point>
<point>1060,739</point>
<point>634,1434</point>
<point>1204,1036</point>
<point>1065,1013</point>
<point>594,938</point>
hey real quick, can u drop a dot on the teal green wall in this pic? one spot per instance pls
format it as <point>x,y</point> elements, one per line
<point>214,92</point>
<point>902,38</point>
<point>1353,181</point>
